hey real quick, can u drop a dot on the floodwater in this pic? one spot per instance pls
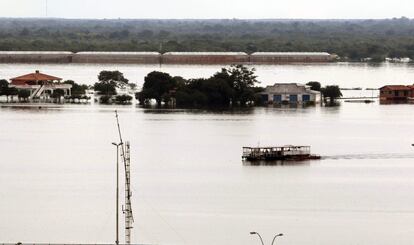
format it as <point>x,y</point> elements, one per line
<point>57,169</point>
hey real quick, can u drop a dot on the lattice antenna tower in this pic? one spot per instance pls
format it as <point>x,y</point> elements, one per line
<point>125,152</point>
<point>129,218</point>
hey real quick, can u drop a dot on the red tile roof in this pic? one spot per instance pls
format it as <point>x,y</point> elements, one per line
<point>36,76</point>
<point>396,87</point>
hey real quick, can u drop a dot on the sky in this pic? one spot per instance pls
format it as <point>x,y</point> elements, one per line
<point>208,9</point>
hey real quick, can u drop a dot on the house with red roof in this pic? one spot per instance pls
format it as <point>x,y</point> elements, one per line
<point>40,85</point>
<point>396,92</point>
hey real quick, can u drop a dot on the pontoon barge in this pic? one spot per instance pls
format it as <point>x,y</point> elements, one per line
<point>290,152</point>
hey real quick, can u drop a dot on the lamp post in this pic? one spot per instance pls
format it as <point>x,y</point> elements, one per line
<point>274,238</point>
<point>117,191</point>
<point>255,233</point>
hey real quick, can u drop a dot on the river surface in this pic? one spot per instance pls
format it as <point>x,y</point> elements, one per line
<point>57,167</point>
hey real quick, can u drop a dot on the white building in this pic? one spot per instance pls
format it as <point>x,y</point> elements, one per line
<point>40,85</point>
<point>290,93</point>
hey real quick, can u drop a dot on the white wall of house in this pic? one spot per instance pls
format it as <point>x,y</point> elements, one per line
<point>292,93</point>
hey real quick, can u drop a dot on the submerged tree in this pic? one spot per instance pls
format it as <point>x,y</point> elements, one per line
<point>123,99</point>
<point>4,84</point>
<point>234,85</point>
<point>10,91</point>
<point>158,86</point>
<point>242,80</point>
<point>109,81</point>
<point>332,92</point>
<point>23,94</point>
<point>77,89</point>
<point>316,86</point>
<point>57,94</point>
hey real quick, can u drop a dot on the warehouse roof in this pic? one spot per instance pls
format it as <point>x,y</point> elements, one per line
<point>205,53</point>
<point>34,52</point>
<point>118,53</point>
<point>290,54</point>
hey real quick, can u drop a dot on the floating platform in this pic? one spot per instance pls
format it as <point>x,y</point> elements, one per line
<point>278,153</point>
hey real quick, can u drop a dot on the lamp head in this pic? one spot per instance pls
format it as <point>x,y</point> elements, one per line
<point>280,234</point>
<point>253,233</point>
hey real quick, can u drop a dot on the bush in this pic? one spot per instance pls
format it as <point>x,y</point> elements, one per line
<point>123,99</point>
<point>105,99</point>
<point>23,94</point>
<point>332,92</point>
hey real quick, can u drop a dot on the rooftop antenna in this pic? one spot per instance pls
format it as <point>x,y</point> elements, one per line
<point>127,209</point>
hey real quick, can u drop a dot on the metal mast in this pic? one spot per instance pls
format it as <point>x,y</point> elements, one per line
<point>129,218</point>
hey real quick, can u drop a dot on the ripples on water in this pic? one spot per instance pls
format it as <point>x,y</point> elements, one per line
<point>371,156</point>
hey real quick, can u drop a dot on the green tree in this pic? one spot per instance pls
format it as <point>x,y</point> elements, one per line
<point>4,84</point>
<point>57,94</point>
<point>109,81</point>
<point>77,89</point>
<point>23,94</point>
<point>157,85</point>
<point>242,80</point>
<point>316,86</point>
<point>123,99</point>
<point>216,91</point>
<point>332,92</point>
<point>105,99</point>
<point>11,91</point>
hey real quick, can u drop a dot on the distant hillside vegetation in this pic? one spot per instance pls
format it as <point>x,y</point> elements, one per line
<point>354,39</point>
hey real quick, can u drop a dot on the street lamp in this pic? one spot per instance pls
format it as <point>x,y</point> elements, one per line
<point>280,234</point>
<point>117,191</point>
<point>255,233</point>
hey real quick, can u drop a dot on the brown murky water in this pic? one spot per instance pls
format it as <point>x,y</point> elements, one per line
<point>189,183</point>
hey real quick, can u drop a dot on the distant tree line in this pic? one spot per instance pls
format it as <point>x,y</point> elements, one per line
<point>352,39</point>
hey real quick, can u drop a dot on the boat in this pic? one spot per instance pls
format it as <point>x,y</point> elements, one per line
<point>278,153</point>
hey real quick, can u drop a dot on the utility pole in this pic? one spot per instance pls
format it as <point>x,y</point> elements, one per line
<point>46,8</point>
<point>117,192</point>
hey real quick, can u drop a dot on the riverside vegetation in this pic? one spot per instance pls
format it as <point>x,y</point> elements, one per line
<point>236,85</point>
<point>233,86</point>
<point>350,39</point>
